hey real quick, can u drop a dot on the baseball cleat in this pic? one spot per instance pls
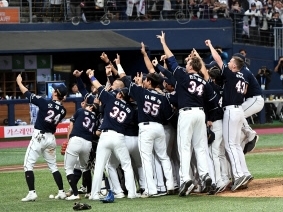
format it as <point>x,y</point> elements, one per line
<point>30,197</point>
<point>61,195</point>
<point>207,181</point>
<point>73,197</point>
<point>96,196</point>
<point>82,190</point>
<point>119,195</point>
<point>222,187</point>
<point>184,187</point>
<point>146,195</point>
<point>245,184</point>
<point>190,189</point>
<point>160,193</point>
<point>250,146</point>
<point>238,183</point>
<point>213,190</point>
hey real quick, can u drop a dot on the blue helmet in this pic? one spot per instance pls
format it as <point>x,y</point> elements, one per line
<point>109,198</point>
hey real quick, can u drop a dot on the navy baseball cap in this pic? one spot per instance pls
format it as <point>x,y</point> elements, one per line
<point>89,99</point>
<point>61,89</point>
<point>125,92</point>
<point>242,57</point>
<point>211,64</point>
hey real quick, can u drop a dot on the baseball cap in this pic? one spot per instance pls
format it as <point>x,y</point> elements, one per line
<point>253,4</point>
<point>210,65</point>
<point>61,89</point>
<point>89,99</point>
<point>125,92</point>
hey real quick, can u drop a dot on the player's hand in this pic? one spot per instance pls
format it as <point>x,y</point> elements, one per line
<point>195,53</point>
<point>207,43</point>
<point>90,73</point>
<point>161,37</point>
<point>154,62</point>
<point>64,147</point>
<point>143,49</point>
<point>104,57</point>
<point>138,78</point>
<point>209,123</point>
<point>19,78</point>
<point>163,57</point>
<point>117,59</point>
<point>77,73</point>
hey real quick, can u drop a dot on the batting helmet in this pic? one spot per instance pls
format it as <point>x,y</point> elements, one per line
<point>109,198</point>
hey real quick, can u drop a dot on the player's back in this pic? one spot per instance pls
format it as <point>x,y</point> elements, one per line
<point>153,106</point>
<point>254,88</point>
<point>234,87</point>
<point>85,124</point>
<point>50,114</point>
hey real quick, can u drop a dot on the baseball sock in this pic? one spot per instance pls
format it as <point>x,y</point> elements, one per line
<point>73,183</point>
<point>87,182</point>
<point>77,175</point>
<point>30,180</point>
<point>58,179</point>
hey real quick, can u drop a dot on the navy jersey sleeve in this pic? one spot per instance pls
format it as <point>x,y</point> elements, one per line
<point>103,95</point>
<point>172,63</point>
<point>167,74</point>
<point>81,87</point>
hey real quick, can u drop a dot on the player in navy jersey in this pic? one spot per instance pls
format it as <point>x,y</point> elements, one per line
<point>253,104</point>
<point>43,141</point>
<point>131,140</point>
<point>117,116</point>
<point>153,110</point>
<point>233,98</point>
<point>83,125</point>
<point>193,91</point>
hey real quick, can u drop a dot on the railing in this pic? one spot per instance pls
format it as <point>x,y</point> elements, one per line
<point>278,42</point>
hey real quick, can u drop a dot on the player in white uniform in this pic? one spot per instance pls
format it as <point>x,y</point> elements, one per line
<point>233,97</point>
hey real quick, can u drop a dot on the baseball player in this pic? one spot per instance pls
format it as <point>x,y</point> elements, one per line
<point>43,141</point>
<point>83,125</point>
<point>170,134</point>
<point>217,146</point>
<point>253,104</point>
<point>192,91</point>
<point>233,97</point>
<point>117,116</point>
<point>153,110</point>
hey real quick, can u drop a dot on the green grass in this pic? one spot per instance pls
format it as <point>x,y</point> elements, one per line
<point>261,165</point>
<point>270,141</point>
<point>15,188</point>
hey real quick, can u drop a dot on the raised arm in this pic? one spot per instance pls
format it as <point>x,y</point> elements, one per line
<point>20,84</point>
<point>80,83</point>
<point>166,50</point>
<point>93,80</point>
<point>146,59</point>
<point>278,64</point>
<point>214,54</point>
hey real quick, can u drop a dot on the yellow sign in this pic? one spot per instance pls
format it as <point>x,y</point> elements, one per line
<point>9,15</point>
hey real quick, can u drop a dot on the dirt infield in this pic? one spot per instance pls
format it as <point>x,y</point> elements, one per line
<point>271,187</point>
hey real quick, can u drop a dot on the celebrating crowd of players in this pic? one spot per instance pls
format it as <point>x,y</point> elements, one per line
<point>155,128</point>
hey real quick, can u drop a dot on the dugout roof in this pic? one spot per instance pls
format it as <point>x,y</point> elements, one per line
<point>64,41</point>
